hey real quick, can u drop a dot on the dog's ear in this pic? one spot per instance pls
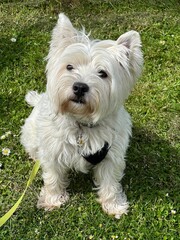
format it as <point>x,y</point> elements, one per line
<point>63,29</point>
<point>130,39</point>
<point>132,43</point>
<point>63,35</point>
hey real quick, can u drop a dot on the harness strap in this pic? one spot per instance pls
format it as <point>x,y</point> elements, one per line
<point>98,156</point>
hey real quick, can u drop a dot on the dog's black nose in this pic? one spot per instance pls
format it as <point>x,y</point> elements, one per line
<point>80,89</point>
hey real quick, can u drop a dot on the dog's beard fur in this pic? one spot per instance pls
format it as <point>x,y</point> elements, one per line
<point>106,71</point>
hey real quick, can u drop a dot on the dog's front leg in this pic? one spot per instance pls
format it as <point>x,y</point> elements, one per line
<point>53,194</point>
<point>107,176</point>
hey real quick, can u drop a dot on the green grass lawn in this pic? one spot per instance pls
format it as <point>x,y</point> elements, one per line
<point>152,177</point>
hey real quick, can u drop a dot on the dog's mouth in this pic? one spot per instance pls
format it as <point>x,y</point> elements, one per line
<point>78,106</point>
<point>78,100</point>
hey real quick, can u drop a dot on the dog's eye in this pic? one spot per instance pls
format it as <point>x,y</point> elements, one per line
<point>69,67</point>
<point>102,74</point>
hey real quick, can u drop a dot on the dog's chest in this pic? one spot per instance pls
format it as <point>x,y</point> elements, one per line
<point>91,140</point>
<point>83,144</point>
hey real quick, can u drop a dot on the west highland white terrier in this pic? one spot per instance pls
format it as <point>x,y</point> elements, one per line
<point>79,122</point>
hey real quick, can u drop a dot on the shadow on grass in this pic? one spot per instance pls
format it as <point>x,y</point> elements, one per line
<point>14,52</point>
<point>152,169</point>
<point>19,62</point>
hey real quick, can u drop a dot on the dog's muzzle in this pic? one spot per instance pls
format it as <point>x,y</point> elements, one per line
<point>79,90</point>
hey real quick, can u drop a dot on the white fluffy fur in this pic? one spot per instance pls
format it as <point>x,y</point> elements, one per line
<point>50,132</point>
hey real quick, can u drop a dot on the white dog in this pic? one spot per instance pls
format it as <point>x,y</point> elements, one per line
<point>79,122</point>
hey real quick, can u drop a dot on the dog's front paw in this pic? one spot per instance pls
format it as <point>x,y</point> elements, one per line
<point>115,208</point>
<point>50,201</point>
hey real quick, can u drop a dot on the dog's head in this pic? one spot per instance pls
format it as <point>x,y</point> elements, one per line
<point>90,79</point>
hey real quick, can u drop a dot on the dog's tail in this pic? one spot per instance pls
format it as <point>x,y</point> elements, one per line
<point>32,98</point>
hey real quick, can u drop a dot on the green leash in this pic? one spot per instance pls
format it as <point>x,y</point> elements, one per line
<point>35,169</point>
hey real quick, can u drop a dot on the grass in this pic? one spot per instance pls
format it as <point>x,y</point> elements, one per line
<point>153,164</point>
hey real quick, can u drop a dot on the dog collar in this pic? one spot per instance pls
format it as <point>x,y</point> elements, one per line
<point>90,125</point>
<point>97,157</point>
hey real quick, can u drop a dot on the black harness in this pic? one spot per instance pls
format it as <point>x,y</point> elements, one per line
<point>97,157</point>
